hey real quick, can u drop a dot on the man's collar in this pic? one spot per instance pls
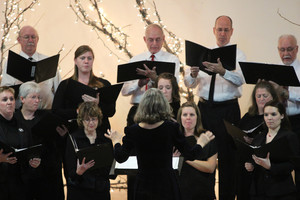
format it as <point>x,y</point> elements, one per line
<point>34,56</point>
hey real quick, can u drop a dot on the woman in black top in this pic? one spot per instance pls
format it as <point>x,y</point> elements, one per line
<point>154,137</point>
<point>14,181</point>
<point>84,182</point>
<point>252,124</point>
<point>83,72</point>
<point>271,176</point>
<point>197,178</point>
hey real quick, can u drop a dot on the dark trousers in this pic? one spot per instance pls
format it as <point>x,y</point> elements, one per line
<point>295,123</point>
<point>213,115</point>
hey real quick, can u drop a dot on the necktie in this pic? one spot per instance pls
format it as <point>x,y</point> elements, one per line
<point>30,58</point>
<point>152,59</point>
<point>212,88</point>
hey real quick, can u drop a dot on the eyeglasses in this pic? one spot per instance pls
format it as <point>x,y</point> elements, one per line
<point>26,37</point>
<point>92,119</point>
<point>289,49</point>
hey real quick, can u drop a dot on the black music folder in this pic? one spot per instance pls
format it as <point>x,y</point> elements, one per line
<point>102,154</point>
<point>235,132</point>
<point>23,155</point>
<point>195,54</point>
<point>46,127</point>
<point>26,70</point>
<point>107,94</point>
<point>280,74</point>
<point>127,72</point>
<point>279,150</point>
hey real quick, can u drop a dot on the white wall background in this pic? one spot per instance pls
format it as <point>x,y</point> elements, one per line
<point>256,29</point>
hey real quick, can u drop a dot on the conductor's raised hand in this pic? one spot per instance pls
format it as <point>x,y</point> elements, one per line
<point>215,67</point>
<point>205,138</point>
<point>114,136</point>
<point>149,73</point>
<point>81,168</point>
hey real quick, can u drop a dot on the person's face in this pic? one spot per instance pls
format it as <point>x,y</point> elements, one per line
<point>28,40</point>
<point>272,117</point>
<point>84,62</point>
<point>262,96</point>
<point>188,118</point>
<point>287,49</point>
<point>223,31</point>
<point>7,103</point>
<point>90,124</point>
<point>165,86</point>
<point>154,39</point>
<point>31,102</point>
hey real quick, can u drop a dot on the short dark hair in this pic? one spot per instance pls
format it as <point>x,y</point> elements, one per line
<point>86,110</point>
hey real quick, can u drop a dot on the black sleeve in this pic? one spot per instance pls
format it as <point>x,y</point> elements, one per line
<point>60,105</point>
<point>108,109</point>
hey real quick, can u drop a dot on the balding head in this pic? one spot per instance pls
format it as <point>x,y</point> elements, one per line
<point>287,48</point>
<point>154,38</point>
<point>28,39</point>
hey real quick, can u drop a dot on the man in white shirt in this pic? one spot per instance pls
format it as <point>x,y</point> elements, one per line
<point>219,101</point>
<point>28,39</point>
<point>154,39</point>
<point>288,49</point>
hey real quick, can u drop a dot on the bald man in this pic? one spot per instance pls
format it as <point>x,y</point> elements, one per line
<point>154,39</point>
<point>28,39</point>
<point>221,103</point>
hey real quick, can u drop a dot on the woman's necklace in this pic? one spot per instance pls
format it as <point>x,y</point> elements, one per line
<point>91,137</point>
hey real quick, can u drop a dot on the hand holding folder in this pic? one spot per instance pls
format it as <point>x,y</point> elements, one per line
<point>23,155</point>
<point>26,70</point>
<point>102,154</point>
<point>280,74</point>
<point>196,54</point>
<point>127,72</point>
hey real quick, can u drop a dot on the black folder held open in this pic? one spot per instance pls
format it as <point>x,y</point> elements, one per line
<point>23,155</point>
<point>280,74</point>
<point>26,70</point>
<point>195,54</point>
<point>108,94</point>
<point>127,72</point>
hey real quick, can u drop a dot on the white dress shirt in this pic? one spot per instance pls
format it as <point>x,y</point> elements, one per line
<point>293,103</point>
<point>227,87</point>
<point>48,87</point>
<point>132,88</point>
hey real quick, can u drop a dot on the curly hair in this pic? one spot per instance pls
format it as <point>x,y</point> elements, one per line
<point>86,110</point>
<point>153,107</point>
